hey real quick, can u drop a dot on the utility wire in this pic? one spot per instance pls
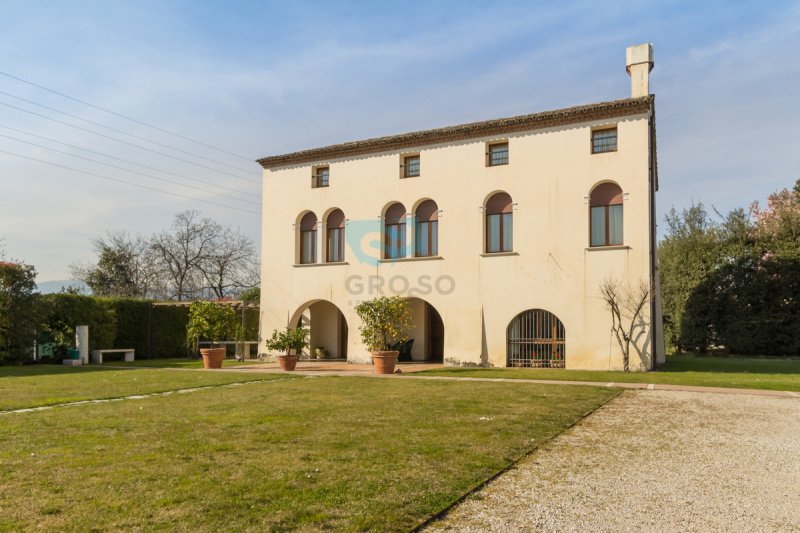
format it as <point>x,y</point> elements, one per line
<point>182,176</point>
<point>124,132</point>
<point>128,170</point>
<point>130,183</point>
<point>124,116</point>
<point>128,143</point>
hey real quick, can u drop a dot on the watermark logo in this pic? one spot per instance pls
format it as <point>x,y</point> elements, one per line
<point>364,241</point>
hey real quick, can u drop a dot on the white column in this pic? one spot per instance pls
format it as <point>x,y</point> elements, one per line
<point>82,343</point>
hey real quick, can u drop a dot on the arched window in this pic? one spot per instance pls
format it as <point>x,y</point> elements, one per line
<point>335,238</point>
<point>308,239</point>
<point>394,239</point>
<point>499,223</point>
<point>536,338</point>
<point>426,237</point>
<point>606,215</point>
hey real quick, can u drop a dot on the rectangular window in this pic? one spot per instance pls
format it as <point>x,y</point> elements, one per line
<point>604,141</point>
<point>320,177</point>
<point>498,154</point>
<point>395,241</point>
<point>427,239</point>
<point>308,247</point>
<point>606,225</point>
<point>499,233</point>
<point>335,245</point>
<point>411,166</point>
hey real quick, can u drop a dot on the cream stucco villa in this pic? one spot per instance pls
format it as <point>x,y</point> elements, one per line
<point>499,232</point>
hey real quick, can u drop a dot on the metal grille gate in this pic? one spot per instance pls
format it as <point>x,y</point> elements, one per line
<point>536,339</point>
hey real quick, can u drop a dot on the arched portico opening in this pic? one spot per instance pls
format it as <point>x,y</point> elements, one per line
<point>327,325</point>
<point>427,333</point>
<point>536,339</point>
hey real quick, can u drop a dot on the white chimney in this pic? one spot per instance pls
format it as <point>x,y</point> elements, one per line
<point>639,63</point>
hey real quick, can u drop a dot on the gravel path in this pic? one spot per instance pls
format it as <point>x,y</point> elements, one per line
<point>654,461</point>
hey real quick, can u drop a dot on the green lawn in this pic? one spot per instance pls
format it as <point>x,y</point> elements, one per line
<point>182,362</point>
<point>730,372</point>
<point>333,453</point>
<point>37,385</point>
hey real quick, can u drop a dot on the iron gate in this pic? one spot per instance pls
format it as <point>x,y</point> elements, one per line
<point>536,339</point>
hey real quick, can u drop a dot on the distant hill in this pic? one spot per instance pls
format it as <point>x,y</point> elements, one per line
<point>49,287</point>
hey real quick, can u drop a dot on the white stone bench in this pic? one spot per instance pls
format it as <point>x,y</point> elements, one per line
<point>97,355</point>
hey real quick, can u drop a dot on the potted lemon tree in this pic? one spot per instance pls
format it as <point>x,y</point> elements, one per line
<point>384,321</point>
<point>289,340</point>
<point>211,322</point>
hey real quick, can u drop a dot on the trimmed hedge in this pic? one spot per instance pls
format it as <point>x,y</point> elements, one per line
<point>154,331</point>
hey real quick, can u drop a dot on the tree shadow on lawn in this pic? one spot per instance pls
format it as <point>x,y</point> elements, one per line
<point>731,364</point>
<point>21,371</point>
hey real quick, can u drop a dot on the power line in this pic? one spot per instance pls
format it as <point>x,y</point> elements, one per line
<point>123,132</point>
<point>130,183</point>
<point>182,176</point>
<point>128,170</point>
<point>124,116</point>
<point>126,142</point>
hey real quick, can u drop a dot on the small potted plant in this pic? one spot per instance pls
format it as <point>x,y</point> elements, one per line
<point>320,352</point>
<point>384,321</point>
<point>287,341</point>
<point>213,322</point>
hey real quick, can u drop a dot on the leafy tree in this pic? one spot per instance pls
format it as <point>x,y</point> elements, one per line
<point>777,227</point>
<point>18,311</point>
<point>125,267</point>
<point>750,306</point>
<point>252,294</point>
<point>210,321</point>
<point>688,253</point>
<point>384,321</point>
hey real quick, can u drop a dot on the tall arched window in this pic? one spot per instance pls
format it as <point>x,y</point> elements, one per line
<point>335,238</point>
<point>308,239</point>
<point>394,239</point>
<point>499,223</point>
<point>426,237</point>
<point>606,215</point>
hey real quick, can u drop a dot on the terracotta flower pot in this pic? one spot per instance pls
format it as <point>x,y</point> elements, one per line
<point>212,357</point>
<point>287,362</point>
<point>384,361</point>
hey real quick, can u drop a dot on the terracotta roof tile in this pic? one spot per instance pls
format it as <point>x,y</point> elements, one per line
<point>547,119</point>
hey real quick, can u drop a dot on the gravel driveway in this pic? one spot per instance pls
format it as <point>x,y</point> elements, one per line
<point>654,461</point>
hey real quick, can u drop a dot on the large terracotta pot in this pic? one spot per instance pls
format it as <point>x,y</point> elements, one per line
<point>384,361</point>
<point>287,362</point>
<point>212,357</point>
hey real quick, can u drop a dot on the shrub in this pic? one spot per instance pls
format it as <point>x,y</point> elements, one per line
<point>18,311</point>
<point>385,320</point>
<point>288,339</point>
<point>210,321</point>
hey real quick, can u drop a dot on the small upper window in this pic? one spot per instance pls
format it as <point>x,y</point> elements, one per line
<point>411,166</point>
<point>604,141</point>
<point>498,154</point>
<point>320,177</point>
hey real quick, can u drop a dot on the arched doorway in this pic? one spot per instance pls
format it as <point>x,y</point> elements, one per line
<point>536,339</point>
<point>327,325</point>
<point>427,333</point>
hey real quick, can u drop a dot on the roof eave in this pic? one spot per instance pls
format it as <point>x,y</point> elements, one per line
<point>570,115</point>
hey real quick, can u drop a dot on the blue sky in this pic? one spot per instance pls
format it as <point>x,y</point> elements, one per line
<point>260,78</point>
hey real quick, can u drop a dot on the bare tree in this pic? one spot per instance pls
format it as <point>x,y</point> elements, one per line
<point>231,266</point>
<point>626,304</point>
<point>182,250</point>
